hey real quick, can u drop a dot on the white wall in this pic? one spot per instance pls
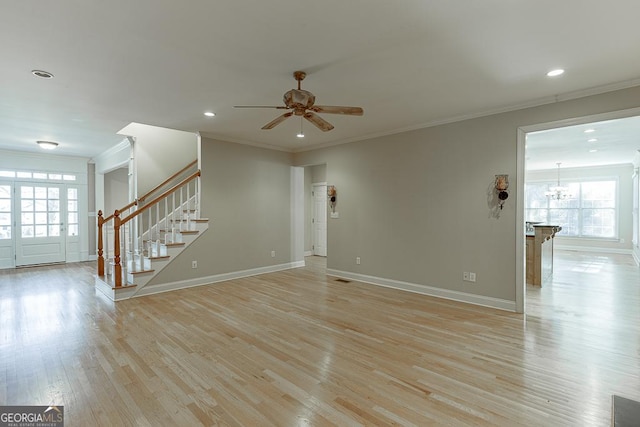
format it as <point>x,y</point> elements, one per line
<point>622,173</point>
<point>636,208</point>
<point>78,250</point>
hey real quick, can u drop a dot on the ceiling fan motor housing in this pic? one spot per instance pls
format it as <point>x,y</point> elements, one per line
<point>299,99</point>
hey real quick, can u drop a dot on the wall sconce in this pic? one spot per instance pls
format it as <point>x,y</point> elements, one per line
<point>502,185</point>
<point>332,193</point>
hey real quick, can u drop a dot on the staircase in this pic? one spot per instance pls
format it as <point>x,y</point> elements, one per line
<point>136,242</point>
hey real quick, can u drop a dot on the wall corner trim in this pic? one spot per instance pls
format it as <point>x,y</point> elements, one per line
<point>481,300</point>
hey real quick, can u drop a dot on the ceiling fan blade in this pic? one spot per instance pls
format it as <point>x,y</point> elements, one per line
<point>277,121</point>
<point>334,109</point>
<point>318,121</point>
<point>260,106</point>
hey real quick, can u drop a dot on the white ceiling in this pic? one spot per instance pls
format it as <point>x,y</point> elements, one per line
<point>408,63</point>
<point>603,142</point>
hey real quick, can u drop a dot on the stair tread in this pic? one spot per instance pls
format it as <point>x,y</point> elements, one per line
<point>154,250</point>
<point>141,271</point>
<point>110,281</point>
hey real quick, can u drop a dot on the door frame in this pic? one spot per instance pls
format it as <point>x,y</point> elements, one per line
<point>9,244</point>
<point>17,221</point>
<point>520,280</point>
<point>313,210</point>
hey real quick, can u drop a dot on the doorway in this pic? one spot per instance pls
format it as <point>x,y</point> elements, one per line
<point>40,213</point>
<point>316,240</point>
<point>591,150</point>
<point>319,220</point>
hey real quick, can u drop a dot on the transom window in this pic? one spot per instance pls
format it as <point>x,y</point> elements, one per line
<point>41,176</point>
<point>591,211</point>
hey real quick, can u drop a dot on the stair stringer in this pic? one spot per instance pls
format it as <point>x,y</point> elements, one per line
<point>141,279</point>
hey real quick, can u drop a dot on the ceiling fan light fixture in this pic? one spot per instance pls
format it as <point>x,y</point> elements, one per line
<point>555,73</point>
<point>301,133</point>
<point>47,145</point>
<point>302,103</point>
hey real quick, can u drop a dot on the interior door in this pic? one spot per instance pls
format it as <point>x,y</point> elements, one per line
<point>320,219</point>
<point>6,225</point>
<point>40,235</point>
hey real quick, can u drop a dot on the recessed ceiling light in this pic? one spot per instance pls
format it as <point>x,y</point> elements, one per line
<point>43,74</point>
<point>47,145</point>
<point>593,151</point>
<point>592,140</point>
<point>300,135</point>
<point>209,114</point>
<point>555,73</point>
<point>589,130</point>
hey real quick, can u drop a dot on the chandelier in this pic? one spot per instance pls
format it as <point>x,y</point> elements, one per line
<point>558,192</point>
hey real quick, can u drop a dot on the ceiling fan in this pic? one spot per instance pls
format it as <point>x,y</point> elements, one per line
<point>302,103</point>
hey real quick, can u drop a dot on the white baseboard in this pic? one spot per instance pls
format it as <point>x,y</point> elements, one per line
<point>500,304</point>
<point>592,249</point>
<point>308,253</point>
<point>208,280</point>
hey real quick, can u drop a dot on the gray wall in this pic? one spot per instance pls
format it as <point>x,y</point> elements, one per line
<point>416,206</point>
<point>116,190</point>
<point>246,194</point>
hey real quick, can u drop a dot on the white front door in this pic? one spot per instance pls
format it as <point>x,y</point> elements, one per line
<point>40,212</point>
<point>320,219</point>
<point>6,225</point>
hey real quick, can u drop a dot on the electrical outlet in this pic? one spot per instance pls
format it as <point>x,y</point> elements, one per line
<point>194,264</point>
<point>472,277</point>
<point>465,276</point>
<point>358,260</point>
<point>273,254</point>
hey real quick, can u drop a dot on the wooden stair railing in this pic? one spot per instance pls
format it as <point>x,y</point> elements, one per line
<point>103,222</point>
<point>134,238</point>
<point>102,247</point>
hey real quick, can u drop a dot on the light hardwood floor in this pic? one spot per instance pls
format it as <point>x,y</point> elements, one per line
<point>298,348</point>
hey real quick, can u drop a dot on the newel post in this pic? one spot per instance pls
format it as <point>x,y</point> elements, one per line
<point>100,251</point>
<point>117,268</point>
